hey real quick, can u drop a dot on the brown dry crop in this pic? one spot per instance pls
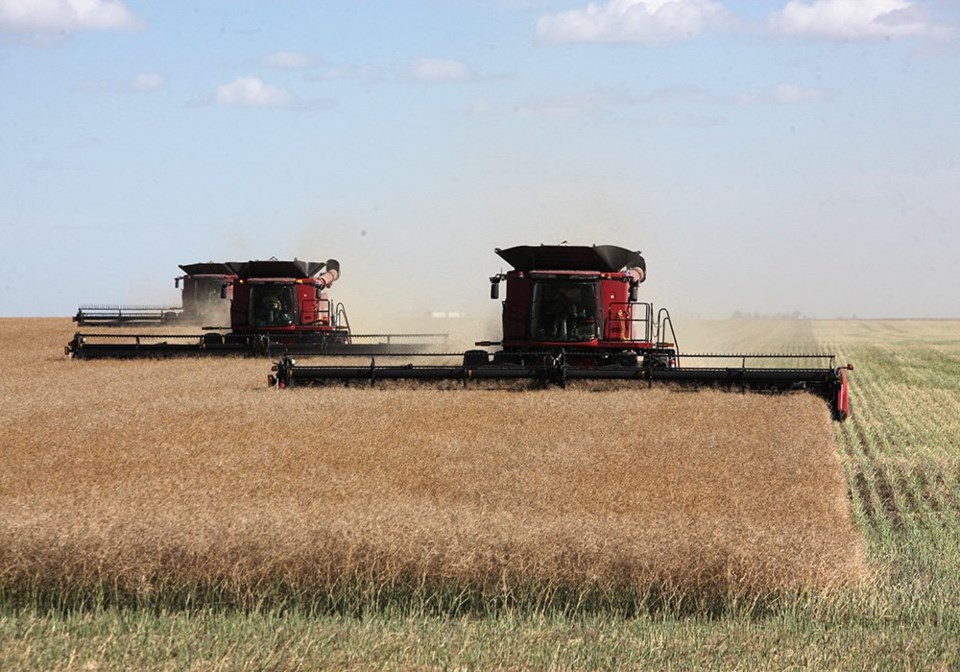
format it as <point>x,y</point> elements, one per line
<point>191,481</point>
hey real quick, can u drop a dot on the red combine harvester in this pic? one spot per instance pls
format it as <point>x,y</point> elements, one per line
<point>278,306</point>
<point>571,313</point>
<point>202,301</point>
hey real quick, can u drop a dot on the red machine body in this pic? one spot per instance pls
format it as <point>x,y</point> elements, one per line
<point>580,299</point>
<point>277,306</point>
<point>555,308</point>
<point>286,300</point>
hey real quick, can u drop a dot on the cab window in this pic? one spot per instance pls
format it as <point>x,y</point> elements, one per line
<point>272,306</point>
<point>564,310</point>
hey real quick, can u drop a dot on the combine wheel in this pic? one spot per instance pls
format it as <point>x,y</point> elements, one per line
<point>658,359</point>
<point>627,358</point>
<point>504,358</point>
<point>474,358</point>
<point>260,344</point>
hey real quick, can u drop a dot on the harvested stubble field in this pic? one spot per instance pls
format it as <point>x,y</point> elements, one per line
<point>94,494</point>
<point>186,482</point>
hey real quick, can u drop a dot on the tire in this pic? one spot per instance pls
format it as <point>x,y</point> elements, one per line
<point>474,358</point>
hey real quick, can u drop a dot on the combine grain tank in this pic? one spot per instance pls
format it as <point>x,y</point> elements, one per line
<point>572,313</point>
<point>278,306</point>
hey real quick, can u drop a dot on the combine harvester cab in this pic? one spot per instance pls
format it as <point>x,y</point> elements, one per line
<point>277,306</point>
<point>571,313</point>
<point>201,302</point>
<point>202,295</point>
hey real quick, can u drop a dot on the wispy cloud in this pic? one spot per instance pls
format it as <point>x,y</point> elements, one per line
<point>144,82</point>
<point>147,81</point>
<point>668,106</point>
<point>621,21</point>
<point>367,73</point>
<point>251,92</point>
<point>573,105</point>
<point>319,69</point>
<point>592,102</point>
<point>853,19</point>
<point>289,60</point>
<point>439,70</point>
<point>65,16</point>
<point>784,94</point>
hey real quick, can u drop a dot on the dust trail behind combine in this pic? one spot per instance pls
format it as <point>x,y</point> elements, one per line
<point>190,481</point>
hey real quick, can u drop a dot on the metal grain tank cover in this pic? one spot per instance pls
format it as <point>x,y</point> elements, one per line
<point>275,268</point>
<point>210,268</point>
<point>602,258</point>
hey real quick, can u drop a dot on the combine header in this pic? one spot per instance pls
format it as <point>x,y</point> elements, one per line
<point>202,301</point>
<point>277,307</point>
<point>571,313</point>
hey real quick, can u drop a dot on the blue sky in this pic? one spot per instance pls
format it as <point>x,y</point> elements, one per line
<point>767,157</point>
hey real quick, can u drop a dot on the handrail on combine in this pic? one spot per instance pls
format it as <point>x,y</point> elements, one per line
<point>340,317</point>
<point>646,320</point>
<point>664,321</point>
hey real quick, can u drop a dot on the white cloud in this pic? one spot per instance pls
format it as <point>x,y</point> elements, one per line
<point>65,16</point>
<point>619,21</point>
<point>852,19</point>
<point>438,70</point>
<point>784,94</point>
<point>251,92</point>
<point>289,60</point>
